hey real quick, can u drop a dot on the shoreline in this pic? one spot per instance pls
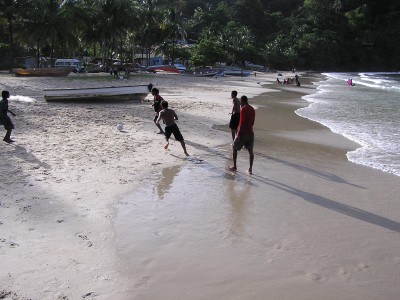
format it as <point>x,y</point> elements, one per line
<point>58,217</point>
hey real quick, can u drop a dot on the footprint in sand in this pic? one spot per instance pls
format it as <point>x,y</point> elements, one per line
<point>315,276</point>
<point>362,267</point>
<point>85,239</point>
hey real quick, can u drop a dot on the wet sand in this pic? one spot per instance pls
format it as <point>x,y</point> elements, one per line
<point>87,211</point>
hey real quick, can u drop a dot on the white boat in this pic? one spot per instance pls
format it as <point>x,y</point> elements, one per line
<point>235,71</point>
<point>112,93</point>
<point>202,72</point>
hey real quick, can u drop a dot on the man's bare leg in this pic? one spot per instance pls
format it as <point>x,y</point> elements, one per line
<point>166,146</point>
<point>251,163</point>
<point>184,148</point>
<point>233,134</point>
<point>233,168</point>
<point>159,127</point>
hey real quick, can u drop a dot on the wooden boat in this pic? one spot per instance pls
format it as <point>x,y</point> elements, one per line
<point>235,71</point>
<point>201,72</point>
<point>163,68</point>
<point>42,72</point>
<point>112,93</point>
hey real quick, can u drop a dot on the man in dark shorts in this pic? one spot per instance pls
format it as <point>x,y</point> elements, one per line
<point>245,134</point>
<point>157,107</point>
<point>4,118</point>
<point>169,116</point>
<point>235,114</point>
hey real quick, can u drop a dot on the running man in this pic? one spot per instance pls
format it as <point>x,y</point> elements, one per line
<point>157,107</point>
<point>235,114</point>
<point>4,118</point>
<point>245,134</point>
<point>169,116</point>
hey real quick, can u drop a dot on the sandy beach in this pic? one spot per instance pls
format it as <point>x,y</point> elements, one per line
<point>90,212</point>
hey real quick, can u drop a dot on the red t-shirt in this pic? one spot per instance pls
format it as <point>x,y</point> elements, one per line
<point>157,103</point>
<point>246,121</point>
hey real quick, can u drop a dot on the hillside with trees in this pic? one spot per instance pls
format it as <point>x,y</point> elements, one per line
<point>321,35</point>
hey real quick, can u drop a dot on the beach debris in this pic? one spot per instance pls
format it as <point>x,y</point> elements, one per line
<point>89,295</point>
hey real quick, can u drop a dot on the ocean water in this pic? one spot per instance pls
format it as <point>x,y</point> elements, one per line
<point>367,113</point>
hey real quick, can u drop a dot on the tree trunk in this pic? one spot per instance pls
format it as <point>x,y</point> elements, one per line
<point>10,28</point>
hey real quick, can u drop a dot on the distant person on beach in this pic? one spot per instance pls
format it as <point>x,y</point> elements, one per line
<point>350,82</point>
<point>116,73</point>
<point>245,134</point>
<point>128,73</point>
<point>157,107</point>
<point>297,80</point>
<point>4,118</point>
<point>235,114</point>
<point>169,116</point>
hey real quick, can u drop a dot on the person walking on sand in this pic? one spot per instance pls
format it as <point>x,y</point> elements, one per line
<point>4,118</point>
<point>235,114</point>
<point>157,107</point>
<point>245,134</point>
<point>169,116</point>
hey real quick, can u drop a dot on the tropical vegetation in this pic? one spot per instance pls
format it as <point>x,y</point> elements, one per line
<point>305,34</point>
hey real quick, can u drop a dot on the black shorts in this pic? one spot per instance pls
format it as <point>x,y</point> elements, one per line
<point>234,122</point>
<point>173,129</point>
<point>6,122</point>
<point>246,141</point>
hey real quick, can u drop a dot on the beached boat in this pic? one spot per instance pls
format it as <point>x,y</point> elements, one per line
<point>112,93</point>
<point>163,68</point>
<point>235,71</point>
<point>203,72</point>
<point>42,72</point>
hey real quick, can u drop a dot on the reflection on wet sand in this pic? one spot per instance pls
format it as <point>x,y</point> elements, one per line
<point>237,196</point>
<point>164,183</point>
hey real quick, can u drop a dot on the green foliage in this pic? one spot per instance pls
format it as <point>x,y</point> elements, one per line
<point>317,34</point>
<point>207,51</point>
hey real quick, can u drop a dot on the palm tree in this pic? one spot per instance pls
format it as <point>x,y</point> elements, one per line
<point>9,9</point>
<point>111,22</point>
<point>173,28</point>
<point>150,32</point>
<point>235,39</point>
<point>53,21</point>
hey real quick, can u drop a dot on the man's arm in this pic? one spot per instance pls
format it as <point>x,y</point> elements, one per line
<point>175,116</point>
<point>159,118</point>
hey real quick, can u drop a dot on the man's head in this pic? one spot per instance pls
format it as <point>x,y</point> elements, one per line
<point>243,100</point>
<point>5,94</point>
<point>234,94</point>
<point>164,104</point>
<point>155,91</point>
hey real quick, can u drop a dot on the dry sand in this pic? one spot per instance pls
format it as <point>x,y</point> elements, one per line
<point>77,217</point>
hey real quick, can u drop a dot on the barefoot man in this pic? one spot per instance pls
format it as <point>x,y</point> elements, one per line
<point>157,106</point>
<point>4,118</point>
<point>244,135</point>
<point>235,114</point>
<point>169,116</point>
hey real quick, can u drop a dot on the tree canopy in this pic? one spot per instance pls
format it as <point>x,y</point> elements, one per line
<point>332,35</point>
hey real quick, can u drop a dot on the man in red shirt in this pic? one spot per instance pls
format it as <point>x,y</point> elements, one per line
<point>245,134</point>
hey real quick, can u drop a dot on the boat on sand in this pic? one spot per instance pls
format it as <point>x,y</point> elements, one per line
<point>112,93</point>
<point>201,72</point>
<point>42,72</point>
<point>163,68</point>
